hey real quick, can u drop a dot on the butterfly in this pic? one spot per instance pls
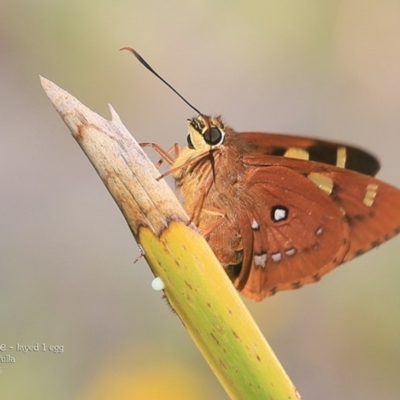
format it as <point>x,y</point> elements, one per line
<point>279,211</point>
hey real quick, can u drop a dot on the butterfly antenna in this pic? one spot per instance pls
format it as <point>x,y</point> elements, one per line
<point>144,63</point>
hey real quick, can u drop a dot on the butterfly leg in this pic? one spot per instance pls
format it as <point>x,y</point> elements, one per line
<point>206,230</point>
<point>168,156</point>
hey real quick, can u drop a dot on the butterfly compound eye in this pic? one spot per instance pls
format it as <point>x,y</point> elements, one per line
<point>213,136</point>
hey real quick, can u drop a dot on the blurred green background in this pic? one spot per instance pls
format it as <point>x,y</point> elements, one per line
<point>329,69</point>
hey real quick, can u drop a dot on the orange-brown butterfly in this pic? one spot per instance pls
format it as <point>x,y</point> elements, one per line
<point>279,211</point>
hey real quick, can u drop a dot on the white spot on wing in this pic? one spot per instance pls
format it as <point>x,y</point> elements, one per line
<point>255,225</point>
<point>276,257</point>
<point>279,214</point>
<point>260,260</point>
<point>290,252</point>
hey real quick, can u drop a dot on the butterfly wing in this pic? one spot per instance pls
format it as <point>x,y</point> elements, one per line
<point>372,209</point>
<point>325,152</point>
<point>293,233</point>
<point>354,208</point>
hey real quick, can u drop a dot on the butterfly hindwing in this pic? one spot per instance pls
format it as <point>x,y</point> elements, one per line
<point>299,234</point>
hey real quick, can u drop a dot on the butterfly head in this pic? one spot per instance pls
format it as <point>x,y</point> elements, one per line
<point>205,133</point>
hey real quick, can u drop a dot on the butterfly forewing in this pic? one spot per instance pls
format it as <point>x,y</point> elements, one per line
<point>337,154</point>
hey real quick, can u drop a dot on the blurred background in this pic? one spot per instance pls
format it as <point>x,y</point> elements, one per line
<point>327,69</point>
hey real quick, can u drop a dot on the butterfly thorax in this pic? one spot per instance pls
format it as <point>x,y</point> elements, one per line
<point>208,173</point>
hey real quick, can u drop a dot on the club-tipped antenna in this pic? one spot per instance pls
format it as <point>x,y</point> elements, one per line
<point>145,64</point>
